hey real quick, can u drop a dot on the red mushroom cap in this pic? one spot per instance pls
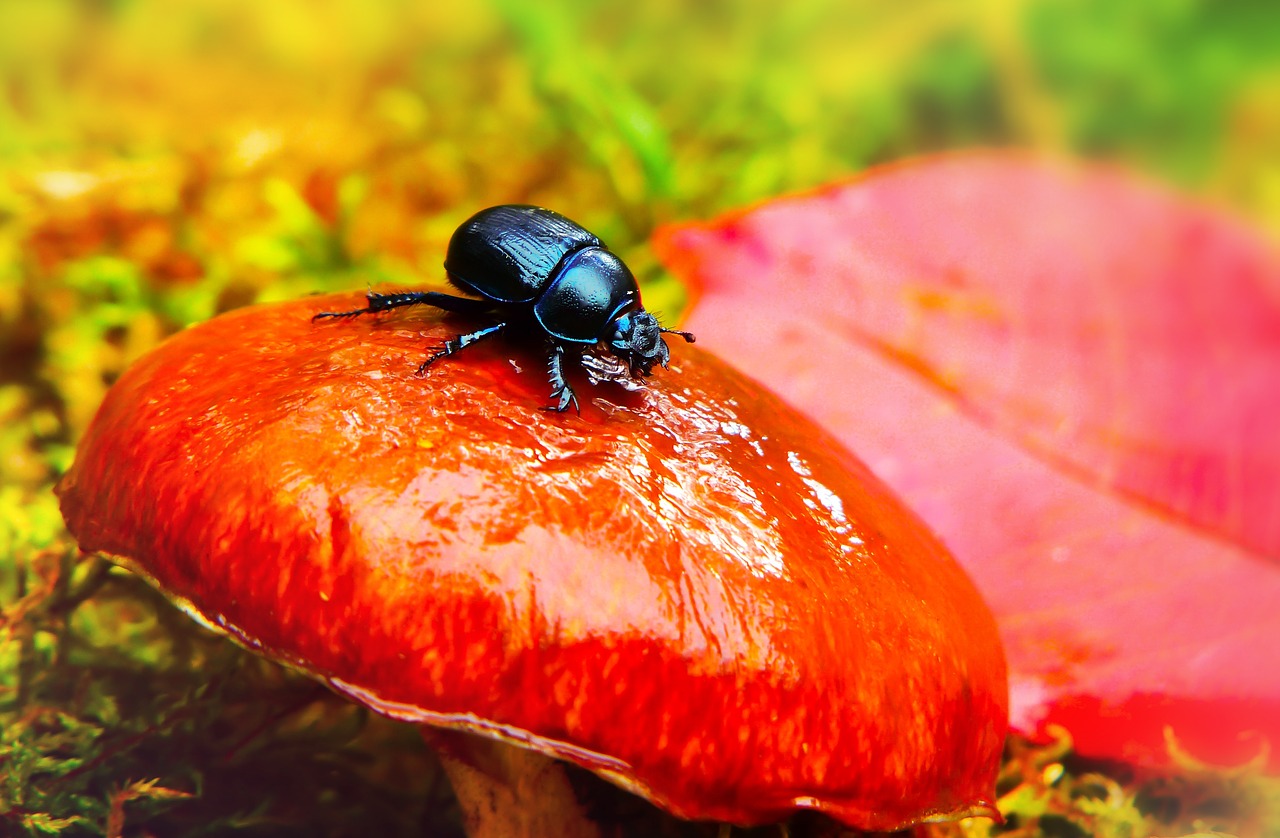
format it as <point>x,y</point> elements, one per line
<point>692,590</point>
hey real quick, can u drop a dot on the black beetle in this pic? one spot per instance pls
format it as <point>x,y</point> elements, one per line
<point>537,270</point>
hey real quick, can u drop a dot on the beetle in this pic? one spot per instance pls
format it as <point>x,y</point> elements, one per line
<point>543,274</point>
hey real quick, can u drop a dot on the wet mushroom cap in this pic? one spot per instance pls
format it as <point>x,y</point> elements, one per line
<point>691,589</point>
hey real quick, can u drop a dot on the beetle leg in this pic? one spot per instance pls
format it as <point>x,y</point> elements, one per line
<point>386,302</point>
<point>458,343</point>
<point>560,389</point>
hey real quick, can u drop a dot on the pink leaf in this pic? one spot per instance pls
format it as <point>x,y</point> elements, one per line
<point>1075,378</point>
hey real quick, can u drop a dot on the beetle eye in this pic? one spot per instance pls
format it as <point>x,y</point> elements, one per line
<point>623,327</point>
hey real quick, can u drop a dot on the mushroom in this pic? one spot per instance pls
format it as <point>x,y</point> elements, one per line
<point>689,589</point>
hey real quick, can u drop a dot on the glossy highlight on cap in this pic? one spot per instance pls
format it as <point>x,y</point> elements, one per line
<point>689,589</point>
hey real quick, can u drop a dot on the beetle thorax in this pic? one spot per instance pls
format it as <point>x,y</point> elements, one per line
<point>587,291</point>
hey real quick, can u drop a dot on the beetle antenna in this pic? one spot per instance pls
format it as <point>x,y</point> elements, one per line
<point>686,335</point>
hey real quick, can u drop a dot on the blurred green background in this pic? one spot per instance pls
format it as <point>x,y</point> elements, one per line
<point>162,161</point>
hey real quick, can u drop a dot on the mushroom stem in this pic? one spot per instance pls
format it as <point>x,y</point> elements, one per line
<point>504,790</point>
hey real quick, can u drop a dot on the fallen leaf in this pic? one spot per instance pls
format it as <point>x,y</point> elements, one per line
<point>1074,377</point>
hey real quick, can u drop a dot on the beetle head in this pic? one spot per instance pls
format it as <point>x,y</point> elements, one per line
<point>637,339</point>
